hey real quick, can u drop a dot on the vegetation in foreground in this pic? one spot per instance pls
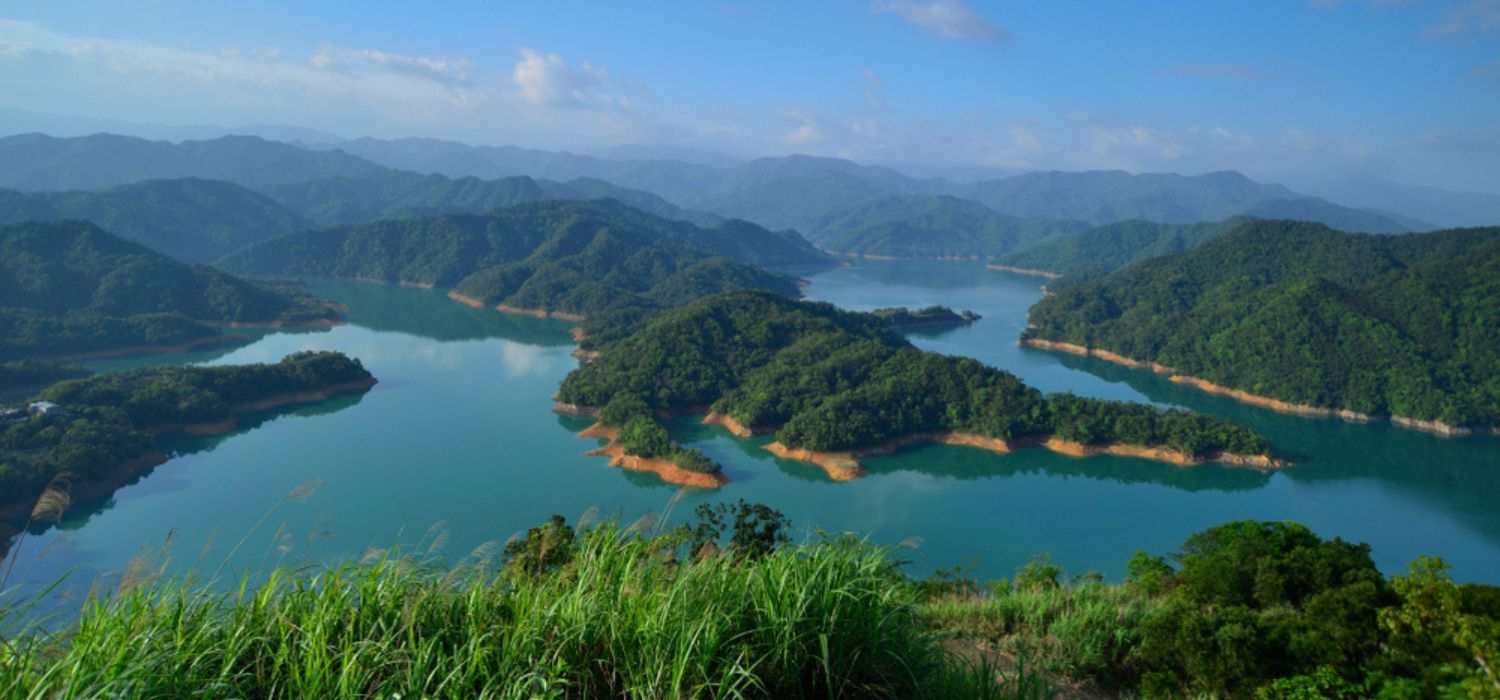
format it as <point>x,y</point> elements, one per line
<point>727,608</point>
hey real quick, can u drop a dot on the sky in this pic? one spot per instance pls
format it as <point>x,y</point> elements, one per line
<point>1291,91</point>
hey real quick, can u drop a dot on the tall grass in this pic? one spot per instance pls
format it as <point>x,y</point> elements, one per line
<point>1084,632</point>
<point>625,617</point>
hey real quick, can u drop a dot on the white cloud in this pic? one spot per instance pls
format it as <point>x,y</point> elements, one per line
<point>1472,17</point>
<point>546,80</point>
<point>950,19</point>
<point>874,90</point>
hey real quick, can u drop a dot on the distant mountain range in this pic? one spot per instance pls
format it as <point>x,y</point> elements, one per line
<point>841,205</point>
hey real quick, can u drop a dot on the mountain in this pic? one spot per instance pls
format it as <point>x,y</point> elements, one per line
<point>564,256</point>
<point>1296,312</point>
<point>70,288</point>
<point>188,219</point>
<point>1114,246</point>
<point>1442,207</point>
<point>37,162</point>
<point>72,266</point>
<point>932,226</point>
<point>798,191</point>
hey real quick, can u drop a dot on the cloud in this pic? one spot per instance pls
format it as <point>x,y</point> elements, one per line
<point>546,80</point>
<point>1465,141</point>
<point>1215,70</point>
<point>1470,18</point>
<point>1488,70</point>
<point>950,19</point>
<point>874,90</point>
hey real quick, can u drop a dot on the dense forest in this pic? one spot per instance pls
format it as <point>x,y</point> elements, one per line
<point>1381,325</point>
<point>1113,246</point>
<point>576,257</point>
<point>191,220</point>
<point>901,317</point>
<point>1243,609</point>
<point>18,376</point>
<point>69,288</point>
<point>106,419</point>
<point>832,380</point>
<point>933,226</point>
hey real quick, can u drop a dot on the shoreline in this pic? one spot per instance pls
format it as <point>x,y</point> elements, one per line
<point>844,465</point>
<point>118,476</point>
<point>875,256</point>
<point>1208,387</point>
<point>507,308</point>
<point>1030,272</point>
<point>665,469</point>
<point>194,344</point>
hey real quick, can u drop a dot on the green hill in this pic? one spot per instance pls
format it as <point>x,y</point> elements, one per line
<point>69,287</point>
<point>575,257</point>
<point>826,379</point>
<point>1294,311</point>
<point>188,219</point>
<point>1114,246</point>
<point>932,226</point>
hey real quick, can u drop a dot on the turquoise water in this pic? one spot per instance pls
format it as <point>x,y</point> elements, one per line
<point>457,446</point>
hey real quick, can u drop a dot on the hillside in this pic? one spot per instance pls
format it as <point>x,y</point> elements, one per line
<point>188,219</point>
<point>1296,312</point>
<point>70,288</point>
<point>825,380</point>
<point>573,257</point>
<point>1113,246</point>
<point>932,226</point>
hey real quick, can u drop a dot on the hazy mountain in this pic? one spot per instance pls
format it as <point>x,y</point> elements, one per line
<point>933,226</point>
<point>188,219</point>
<point>20,121</point>
<point>1113,246</point>
<point>1441,207</point>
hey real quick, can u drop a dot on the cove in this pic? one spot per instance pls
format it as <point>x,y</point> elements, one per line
<point>457,446</point>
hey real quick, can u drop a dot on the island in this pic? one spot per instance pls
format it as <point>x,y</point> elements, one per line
<point>835,386</point>
<point>932,316</point>
<point>70,290</point>
<point>86,437</point>
<point>1297,317</point>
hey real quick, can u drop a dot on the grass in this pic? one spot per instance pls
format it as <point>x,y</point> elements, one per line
<point>1083,632</point>
<point>624,616</point>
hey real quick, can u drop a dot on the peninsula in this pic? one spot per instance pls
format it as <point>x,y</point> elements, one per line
<point>835,386</point>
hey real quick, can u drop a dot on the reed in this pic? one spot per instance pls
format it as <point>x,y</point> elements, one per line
<point>628,615</point>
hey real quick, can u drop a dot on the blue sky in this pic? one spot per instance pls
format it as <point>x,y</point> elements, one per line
<point>1294,91</point>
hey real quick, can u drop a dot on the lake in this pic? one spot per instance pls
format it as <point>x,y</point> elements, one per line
<point>457,446</point>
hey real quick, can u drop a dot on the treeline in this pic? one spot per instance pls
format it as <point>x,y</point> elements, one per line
<point>832,380</point>
<point>1403,325</point>
<point>930,316</point>
<point>1113,246</point>
<point>105,419</point>
<point>19,375</point>
<point>583,258</point>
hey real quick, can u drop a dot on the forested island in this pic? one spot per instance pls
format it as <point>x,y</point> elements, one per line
<point>1299,317</point>
<point>577,259</point>
<point>835,385</point>
<point>71,289</point>
<point>85,436</point>
<point>927,317</point>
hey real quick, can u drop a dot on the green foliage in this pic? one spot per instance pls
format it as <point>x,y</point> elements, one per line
<point>645,437</point>
<point>191,220</point>
<point>1115,245</point>
<point>545,548</point>
<point>932,226</point>
<point>618,616</point>
<point>20,375</point>
<point>834,380</point>
<point>1404,325</point>
<point>25,333</point>
<point>755,531</point>
<point>930,316</point>
<point>623,407</point>
<point>110,416</point>
<point>589,258</point>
